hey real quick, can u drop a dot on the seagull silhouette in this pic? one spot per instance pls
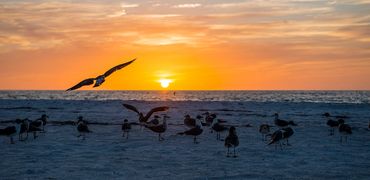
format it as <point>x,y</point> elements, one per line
<point>101,78</point>
<point>144,118</point>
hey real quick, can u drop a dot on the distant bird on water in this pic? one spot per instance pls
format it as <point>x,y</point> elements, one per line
<point>143,120</point>
<point>101,78</point>
<point>231,140</point>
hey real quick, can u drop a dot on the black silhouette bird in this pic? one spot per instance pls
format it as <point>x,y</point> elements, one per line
<point>82,127</point>
<point>39,124</point>
<point>231,140</point>
<point>344,130</point>
<point>143,120</point>
<point>9,131</point>
<point>280,135</point>
<point>282,123</point>
<point>195,131</point>
<point>43,120</point>
<point>332,125</point>
<point>209,118</point>
<point>264,130</point>
<point>101,78</point>
<point>218,127</point>
<point>126,127</point>
<point>34,127</point>
<point>24,125</point>
<point>189,122</point>
<point>159,128</point>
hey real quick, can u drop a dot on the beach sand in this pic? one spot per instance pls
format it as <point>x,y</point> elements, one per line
<point>105,154</point>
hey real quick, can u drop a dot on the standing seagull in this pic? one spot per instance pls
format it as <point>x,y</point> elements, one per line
<point>24,126</point>
<point>43,119</point>
<point>264,130</point>
<point>101,78</point>
<point>281,134</point>
<point>126,127</point>
<point>144,119</point>
<point>195,131</point>
<point>218,127</point>
<point>344,130</point>
<point>159,128</point>
<point>9,131</point>
<point>231,140</point>
<point>82,127</point>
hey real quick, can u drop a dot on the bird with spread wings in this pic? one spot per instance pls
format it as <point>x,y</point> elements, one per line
<point>101,78</point>
<point>144,119</point>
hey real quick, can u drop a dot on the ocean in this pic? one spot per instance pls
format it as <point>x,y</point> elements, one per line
<point>355,97</point>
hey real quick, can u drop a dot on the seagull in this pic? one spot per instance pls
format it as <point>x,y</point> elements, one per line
<point>332,124</point>
<point>209,118</point>
<point>126,127</point>
<point>82,127</point>
<point>23,128</point>
<point>35,126</point>
<point>43,120</point>
<point>159,128</point>
<point>40,122</point>
<point>264,130</point>
<point>218,127</point>
<point>189,122</point>
<point>344,130</point>
<point>231,140</point>
<point>144,119</point>
<point>195,131</point>
<point>280,135</point>
<point>101,78</point>
<point>9,131</point>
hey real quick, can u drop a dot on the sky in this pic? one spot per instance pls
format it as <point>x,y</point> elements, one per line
<point>196,45</point>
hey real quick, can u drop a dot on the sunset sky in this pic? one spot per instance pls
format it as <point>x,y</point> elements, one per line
<point>197,45</point>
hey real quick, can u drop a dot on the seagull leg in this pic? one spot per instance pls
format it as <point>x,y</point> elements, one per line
<point>235,153</point>
<point>227,155</point>
<point>34,135</point>
<point>281,146</point>
<point>195,140</point>
<point>11,140</point>
<point>127,135</point>
<point>123,134</point>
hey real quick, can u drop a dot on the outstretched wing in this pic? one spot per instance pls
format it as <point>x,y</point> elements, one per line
<point>118,67</point>
<point>82,83</point>
<point>157,109</point>
<point>130,107</point>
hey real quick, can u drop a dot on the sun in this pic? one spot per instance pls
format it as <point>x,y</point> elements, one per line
<point>165,82</point>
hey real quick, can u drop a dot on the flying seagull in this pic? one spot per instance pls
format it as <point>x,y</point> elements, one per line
<point>101,78</point>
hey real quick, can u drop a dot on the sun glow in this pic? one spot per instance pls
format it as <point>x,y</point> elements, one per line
<point>165,82</point>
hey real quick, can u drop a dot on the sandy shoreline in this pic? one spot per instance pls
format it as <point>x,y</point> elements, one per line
<point>105,154</point>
